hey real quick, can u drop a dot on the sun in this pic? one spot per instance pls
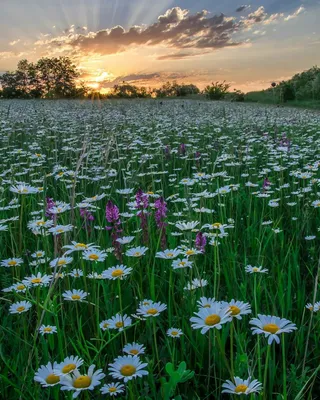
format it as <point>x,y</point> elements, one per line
<point>94,85</point>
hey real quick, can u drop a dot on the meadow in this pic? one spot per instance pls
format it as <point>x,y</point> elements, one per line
<point>159,250</point>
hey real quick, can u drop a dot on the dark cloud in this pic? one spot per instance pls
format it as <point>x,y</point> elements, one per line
<point>132,78</point>
<point>176,56</point>
<point>242,8</point>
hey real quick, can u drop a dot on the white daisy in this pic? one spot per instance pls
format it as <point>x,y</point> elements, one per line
<point>208,318</point>
<point>134,349</point>
<point>113,389</point>
<point>46,375</point>
<point>74,295</point>
<point>184,263</point>
<point>37,280</point>
<point>151,309</point>
<point>125,239</point>
<point>20,307</point>
<point>241,386</point>
<point>127,368</point>
<point>271,327</point>
<point>237,308</point>
<point>186,226</point>
<point>196,283</point>
<point>68,365</point>
<point>174,333</point>
<point>253,270</point>
<point>60,262</point>
<point>136,251</point>
<point>75,246</point>
<point>95,255</point>
<point>77,382</point>
<point>168,254</point>
<point>11,262</point>
<point>117,272</point>
<point>47,329</point>
<point>118,322</point>
<point>58,229</point>
<point>206,302</point>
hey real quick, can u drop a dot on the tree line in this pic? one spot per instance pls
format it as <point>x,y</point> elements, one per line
<point>302,86</point>
<point>58,77</point>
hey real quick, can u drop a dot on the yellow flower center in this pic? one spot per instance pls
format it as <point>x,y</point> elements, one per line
<point>21,308</point>
<point>39,254</point>
<point>75,297</point>
<point>52,379</point>
<point>60,230</point>
<point>182,263</point>
<point>189,252</point>
<point>216,225</point>
<point>47,329</point>
<point>40,223</point>
<point>25,190</point>
<point>272,328</point>
<point>36,280</point>
<point>94,257</point>
<point>134,352</point>
<point>169,254</point>
<point>150,192</point>
<point>206,306</point>
<point>128,370</point>
<point>212,319</point>
<point>20,287</point>
<point>112,389</point>
<point>174,333</point>
<point>234,310</point>
<point>137,254</point>
<point>106,325</point>
<point>68,368</point>
<point>152,311</point>
<point>116,273</point>
<point>81,246</point>
<point>82,382</point>
<point>12,263</point>
<point>119,324</point>
<point>40,188</point>
<point>62,262</point>
<point>241,388</point>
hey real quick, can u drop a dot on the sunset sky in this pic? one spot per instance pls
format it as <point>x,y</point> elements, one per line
<point>148,42</point>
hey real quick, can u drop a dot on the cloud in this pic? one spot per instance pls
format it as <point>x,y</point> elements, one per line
<point>179,56</point>
<point>176,29</point>
<point>300,10</point>
<point>11,54</point>
<point>242,8</point>
<point>14,42</point>
<point>260,16</point>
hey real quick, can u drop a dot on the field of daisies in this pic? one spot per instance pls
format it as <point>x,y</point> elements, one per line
<point>159,250</point>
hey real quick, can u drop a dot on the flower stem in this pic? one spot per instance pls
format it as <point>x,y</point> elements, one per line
<point>266,372</point>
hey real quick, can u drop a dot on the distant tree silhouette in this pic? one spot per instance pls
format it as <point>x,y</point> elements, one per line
<point>49,78</point>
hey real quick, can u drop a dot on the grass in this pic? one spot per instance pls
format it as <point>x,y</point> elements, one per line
<point>74,151</point>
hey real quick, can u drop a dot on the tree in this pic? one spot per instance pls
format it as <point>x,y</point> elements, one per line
<point>217,90</point>
<point>49,77</point>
